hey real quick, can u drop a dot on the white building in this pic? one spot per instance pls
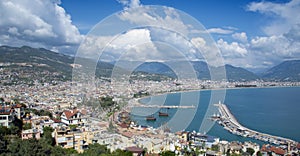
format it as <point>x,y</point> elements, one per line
<point>6,116</point>
<point>73,117</point>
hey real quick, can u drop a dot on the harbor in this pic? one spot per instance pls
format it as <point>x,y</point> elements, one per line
<point>230,123</point>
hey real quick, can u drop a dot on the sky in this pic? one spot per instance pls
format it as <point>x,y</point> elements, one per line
<point>251,34</point>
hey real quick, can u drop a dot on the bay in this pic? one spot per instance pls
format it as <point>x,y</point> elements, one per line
<point>274,111</point>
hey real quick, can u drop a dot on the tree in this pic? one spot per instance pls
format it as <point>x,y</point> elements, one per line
<point>47,136</point>
<point>26,126</point>
<point>259,153</point>
<point>4,130</point>
<point>17,123</point>
<point>121,152</point>
<point>215,148</point>
<point>96,149</point>
<point>14,147</point>
<point>250,151</point>
<point>14,130</point>
<point>167,153</point>
<point>228,152</point>
<point>3,144</point>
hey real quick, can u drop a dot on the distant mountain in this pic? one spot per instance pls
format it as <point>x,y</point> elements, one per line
<point>20,65</point>
<point>155,68</point>
<point>201,69</point>
<point>25,65</point>
<point>285,71</point>
<point>239,74</point>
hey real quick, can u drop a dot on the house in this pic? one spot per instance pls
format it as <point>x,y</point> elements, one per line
<point>6,116</point>
<point>31,133</point>
<point>254,146</point>
<point>9,111</point>
<point>198,140</point>
<point>18,110</point>
<point>39,122</point>
<point>276,151</point>
<point>73,117</point>
<point>136,151</point>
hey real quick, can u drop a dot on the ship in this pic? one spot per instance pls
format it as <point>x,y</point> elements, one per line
<point>150,118</point>
<point>162,114</point>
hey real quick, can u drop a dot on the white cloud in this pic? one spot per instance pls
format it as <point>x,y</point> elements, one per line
<point>285,15</point>
<point>233,50</point>
<point>130,3</point>
<point>274,46</point>
<point>40,23</point>
<point>219,31</point>
<point>134,45</point>
<point>282,37</point>
<point>164,17</point>
<point>240,36</point>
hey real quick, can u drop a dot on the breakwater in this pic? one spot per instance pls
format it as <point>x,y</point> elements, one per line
<point>230,123</point>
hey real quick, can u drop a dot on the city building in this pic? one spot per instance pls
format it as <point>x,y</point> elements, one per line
<point>76,138</point>
<point>6,116</point>
<point>18,110</point>
<point>30,134</point>
<point>73,117</point>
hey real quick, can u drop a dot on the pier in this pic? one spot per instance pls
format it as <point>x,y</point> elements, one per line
<point>229,122</point>
<point>162,106</point>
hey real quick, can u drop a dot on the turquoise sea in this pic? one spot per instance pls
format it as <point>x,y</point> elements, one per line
<point>274,111</point>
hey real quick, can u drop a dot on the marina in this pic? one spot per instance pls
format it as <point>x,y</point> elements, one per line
<point>230,123</point>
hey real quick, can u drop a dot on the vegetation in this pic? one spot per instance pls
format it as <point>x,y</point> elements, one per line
<point>250,151</point>
<point>259,153</point>
<point>26,126</point>
<point>140,94</point>
<point>106,102</point>
<point>215,148</point>
<point>40,112</point>
<point>167,153</point>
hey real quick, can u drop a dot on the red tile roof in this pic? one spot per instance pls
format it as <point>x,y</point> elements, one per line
<point>5,110</point>
<point>127,134</point>
<point>135,149</point>
<point>17,106</point>
<point>277,150</point>
<point>57,121</point>
<point>69,113</point>
<point>273,149</point>
<point>123,125</point>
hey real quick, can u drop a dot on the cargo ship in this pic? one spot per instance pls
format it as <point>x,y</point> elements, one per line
<point>162,114</point>
<point>150,118</point>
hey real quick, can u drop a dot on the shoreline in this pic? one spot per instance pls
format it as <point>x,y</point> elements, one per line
<point>210,89</point>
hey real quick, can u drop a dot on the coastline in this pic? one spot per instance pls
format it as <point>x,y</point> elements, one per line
<point>209,89</point>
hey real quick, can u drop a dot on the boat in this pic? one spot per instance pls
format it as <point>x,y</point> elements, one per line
<point>162,114</point>
<point>150,118</point>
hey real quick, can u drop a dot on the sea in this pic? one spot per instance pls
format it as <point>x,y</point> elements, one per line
<point>274,111</point>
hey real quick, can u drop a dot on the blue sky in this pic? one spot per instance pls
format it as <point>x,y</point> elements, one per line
<point>211,13</point>
<point>251,34</point>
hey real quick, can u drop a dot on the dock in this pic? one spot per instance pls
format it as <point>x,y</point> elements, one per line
<point>230,123</point>
<point>162,106</point>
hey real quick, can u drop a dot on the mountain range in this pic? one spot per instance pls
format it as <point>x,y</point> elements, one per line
<point>25,64</point>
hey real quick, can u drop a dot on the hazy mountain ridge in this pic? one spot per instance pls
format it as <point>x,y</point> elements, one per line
<point>201,70</point>
<point>26,63</point>
<point>285,71</point>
